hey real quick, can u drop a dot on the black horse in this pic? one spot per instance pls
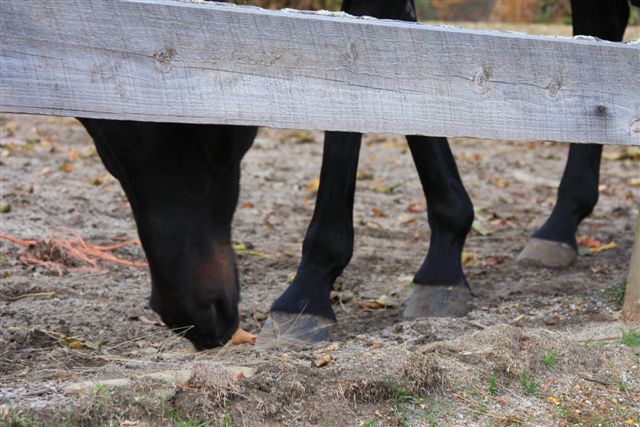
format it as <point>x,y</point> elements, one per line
<point>182,182</point>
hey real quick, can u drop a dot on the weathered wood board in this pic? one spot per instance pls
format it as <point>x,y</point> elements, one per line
<point>162,60</point>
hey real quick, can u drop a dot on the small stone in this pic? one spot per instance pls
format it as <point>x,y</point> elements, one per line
<point>385,333</point>
<point>346,296</point>
<point>551,320</point>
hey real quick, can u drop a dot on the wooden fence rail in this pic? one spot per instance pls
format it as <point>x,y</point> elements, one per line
<point>163,60</point>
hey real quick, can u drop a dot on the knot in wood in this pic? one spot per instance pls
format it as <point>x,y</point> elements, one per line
<point>162,58</point>
<point>481,79</point>
<point>555,85</point>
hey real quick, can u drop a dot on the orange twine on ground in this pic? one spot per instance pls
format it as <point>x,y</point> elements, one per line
<point>65,247</point>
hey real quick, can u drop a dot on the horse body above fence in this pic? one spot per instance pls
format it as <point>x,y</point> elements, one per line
<point>168,61</point>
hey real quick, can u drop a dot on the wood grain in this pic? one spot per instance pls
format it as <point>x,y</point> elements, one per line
<point>161,60</point>
<point>631,306</point>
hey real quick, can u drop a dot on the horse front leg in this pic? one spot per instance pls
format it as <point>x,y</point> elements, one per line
<point>554,244</point>
<point>440,286</point>
<point>303,312</point>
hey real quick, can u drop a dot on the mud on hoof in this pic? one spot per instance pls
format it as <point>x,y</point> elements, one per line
<point>547,253</point>
<point>294,330</point>
<point>437,301</point>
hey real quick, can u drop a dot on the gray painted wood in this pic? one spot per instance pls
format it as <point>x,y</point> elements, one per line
<point>160,60</point>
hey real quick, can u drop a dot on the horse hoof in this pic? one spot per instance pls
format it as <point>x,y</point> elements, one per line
<point>547,253</point>
<point>437,301</point>
<point>294,330</point>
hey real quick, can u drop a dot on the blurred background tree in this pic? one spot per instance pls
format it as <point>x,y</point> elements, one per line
<point>512,11</point>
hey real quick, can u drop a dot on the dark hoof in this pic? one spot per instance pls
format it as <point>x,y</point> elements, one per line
<point>294,330</point>
<point>547,253</point>
<point>437,301</point>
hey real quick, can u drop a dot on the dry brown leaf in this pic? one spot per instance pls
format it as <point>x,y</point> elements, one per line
<point>377,213</point>
<point>243,337</point>
<point>73,154</point>
<point>417,207</point>
<point>247,205</point>
<point>10,127</point>
<point>364,176</point>
<point>589,242</point>
<point>493,260</point>
<point>467,257</point>
<point>66,167</point>
<point>330,348</point>
<point>312,186</point>
<point>375,344</point>
<point>323,361</point>
<point>148,321</point>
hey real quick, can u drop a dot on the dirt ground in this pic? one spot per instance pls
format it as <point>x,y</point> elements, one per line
<point>541,347</point>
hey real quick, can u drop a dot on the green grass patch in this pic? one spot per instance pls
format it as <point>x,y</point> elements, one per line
<point>529,385</point>
<point>630,338</point>
<point>616,293</point>
<point>550,359</point>
<point>493,385</point>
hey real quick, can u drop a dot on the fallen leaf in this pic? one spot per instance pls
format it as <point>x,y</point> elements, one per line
<point>148,321</point>
<point>493,260</point>
<point>375,344</point>
<point>382,302</point>
<point>467,257</point>
<point>608,246</point>
<point>407,218</point>
<point>312,186</point>
<point>373,225</point>
<point>10,127</point>
<point>500,182</point>
<point>66,167</point>
<point>381,187</point>
<point>77,344</point>
<point>589,242</point>
<point>553,400</point>
<point>417,207</point>
<point>99,180</point>
<point>247,205</point>
<point>331,347</point>
<point>323,361</point>
<point>364,176</point>
<point>377,213</point>
<point>479,228</point>
<point>244,249</point>
<point>243,337</point>
<point>629,153</point>
<point>73,154</point>
<point>299,137</point>
<point>368,304</point>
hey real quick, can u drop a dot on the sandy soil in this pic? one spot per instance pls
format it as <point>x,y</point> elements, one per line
<point>541,347</point>
<point>96,326</point>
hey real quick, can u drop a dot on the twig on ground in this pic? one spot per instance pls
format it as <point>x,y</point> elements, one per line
<point>28,295</point>
<point>594,380</point>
